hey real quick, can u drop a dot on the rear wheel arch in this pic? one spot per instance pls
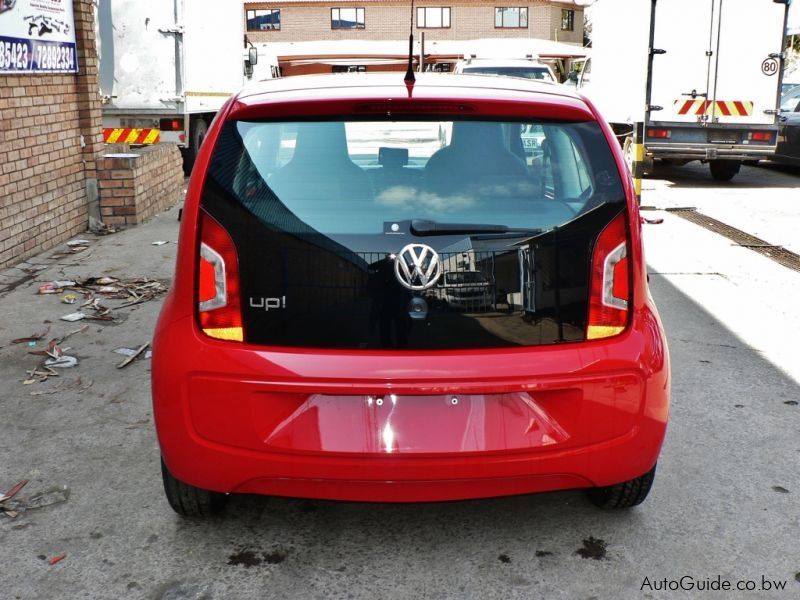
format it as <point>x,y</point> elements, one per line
<point>188,500</point>
<point>623,495</point>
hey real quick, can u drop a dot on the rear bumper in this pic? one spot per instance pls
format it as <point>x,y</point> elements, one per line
<point>711,142</point>
<point>236,419</point>
<point>709,151</point>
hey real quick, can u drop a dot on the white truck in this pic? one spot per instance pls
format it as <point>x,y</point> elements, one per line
<point>168,66</point>
<point>684,80</point>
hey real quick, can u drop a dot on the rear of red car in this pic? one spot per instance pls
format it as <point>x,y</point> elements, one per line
<point>314,345</point>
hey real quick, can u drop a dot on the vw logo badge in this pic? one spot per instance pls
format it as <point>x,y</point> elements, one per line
<point>417,267</point>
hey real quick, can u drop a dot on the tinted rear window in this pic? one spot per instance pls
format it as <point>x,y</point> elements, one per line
<point>319,210</point>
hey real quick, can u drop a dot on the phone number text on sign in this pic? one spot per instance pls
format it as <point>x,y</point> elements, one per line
<point>34,56</point>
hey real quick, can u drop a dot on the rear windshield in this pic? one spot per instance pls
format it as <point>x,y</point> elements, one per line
<point>319,210</point>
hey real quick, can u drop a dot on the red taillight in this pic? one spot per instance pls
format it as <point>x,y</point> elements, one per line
<point>170,124</point>
<point>761,136</point>
<point>610,286</point>
<point>659,133</point>
<point>218,283</point>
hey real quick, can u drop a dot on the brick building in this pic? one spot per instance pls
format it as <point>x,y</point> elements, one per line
<point>50,140</point>
<point>55,180</point>
<point>307,20</point>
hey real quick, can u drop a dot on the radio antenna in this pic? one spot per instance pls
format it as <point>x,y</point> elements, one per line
<point>409,78</point>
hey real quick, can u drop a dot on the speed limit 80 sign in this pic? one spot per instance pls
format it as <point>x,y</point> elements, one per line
<point>770,66</point>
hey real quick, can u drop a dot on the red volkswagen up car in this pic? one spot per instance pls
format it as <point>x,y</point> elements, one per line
<point>307,348</point>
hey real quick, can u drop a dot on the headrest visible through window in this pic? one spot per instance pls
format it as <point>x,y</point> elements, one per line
<point>392,158</point>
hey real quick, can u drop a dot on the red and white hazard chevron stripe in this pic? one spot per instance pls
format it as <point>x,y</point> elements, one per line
<point>131,136</point>
<point>724,108</point>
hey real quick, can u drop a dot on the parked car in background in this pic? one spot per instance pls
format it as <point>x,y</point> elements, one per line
<point>301,350</point>
<point>788,150</point>
<point>465,290</point>
<point>526,68</point>
<point>791,80</point>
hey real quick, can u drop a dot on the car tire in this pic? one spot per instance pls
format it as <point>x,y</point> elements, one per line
<point>623,495</point>
<point>188,500</point>
<point>197,133</point>
<point>724,170</point>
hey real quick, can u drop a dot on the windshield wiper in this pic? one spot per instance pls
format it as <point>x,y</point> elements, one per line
<point>424,227</point>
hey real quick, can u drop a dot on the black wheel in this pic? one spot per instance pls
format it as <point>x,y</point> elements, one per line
<point>724,170</point>
<point>625,494</point>
<point>190,501</point>
<point>197,133</point>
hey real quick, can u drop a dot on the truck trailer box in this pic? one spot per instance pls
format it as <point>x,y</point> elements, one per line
<point>689,79</point>
<point>167,67</point>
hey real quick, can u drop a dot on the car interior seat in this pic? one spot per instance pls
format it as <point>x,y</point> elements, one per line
<point>394,169</point>
<point>320,167</point>
<point>476,154</point>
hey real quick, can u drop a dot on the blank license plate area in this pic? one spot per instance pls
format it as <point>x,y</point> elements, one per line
<point>393,424</point>
<point>724,137</point>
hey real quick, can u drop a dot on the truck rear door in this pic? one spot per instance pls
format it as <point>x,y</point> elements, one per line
<point>745,77</point>
<point>137,55</point>
<point>682,74</point>
<point>717,66</point>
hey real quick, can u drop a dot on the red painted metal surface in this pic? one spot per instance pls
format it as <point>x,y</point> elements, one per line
<point>234,417</point>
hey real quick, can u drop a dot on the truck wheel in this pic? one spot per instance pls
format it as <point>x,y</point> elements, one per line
<point>724,170</point>
<point>625,494</point>
<point>190,501</point>
<point>197,133</point>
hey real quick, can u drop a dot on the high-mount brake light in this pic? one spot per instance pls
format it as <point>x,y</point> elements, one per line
<point>405,107</point>
<point>610,286</point>
<point>218,283</point>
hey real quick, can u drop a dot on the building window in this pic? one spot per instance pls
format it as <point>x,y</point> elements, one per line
<point>347,18</point>
<point>567,20</point>
<point>433,17</point>
<point>267,19</point>
<point>513,18</point>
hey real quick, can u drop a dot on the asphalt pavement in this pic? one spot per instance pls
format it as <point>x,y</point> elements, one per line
<point>724,506</point>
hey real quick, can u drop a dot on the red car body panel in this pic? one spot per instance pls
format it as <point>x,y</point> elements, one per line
<point>235,417</point>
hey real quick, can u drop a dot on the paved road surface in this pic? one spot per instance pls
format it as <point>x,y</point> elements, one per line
<point>725,502</point>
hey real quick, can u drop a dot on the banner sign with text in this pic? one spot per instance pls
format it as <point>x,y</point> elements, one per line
<point>37,36</point>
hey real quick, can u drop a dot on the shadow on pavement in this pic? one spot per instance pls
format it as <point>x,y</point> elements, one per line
<point>697,175</point>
